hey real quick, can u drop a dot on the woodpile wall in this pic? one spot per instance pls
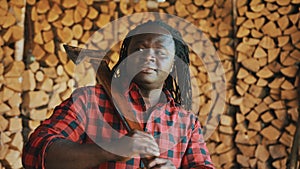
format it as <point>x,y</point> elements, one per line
<point>11,70</point>
<point>257,44</point>
<point>267,58</point>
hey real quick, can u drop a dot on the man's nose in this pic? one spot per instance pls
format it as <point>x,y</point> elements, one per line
<point>149,54</point>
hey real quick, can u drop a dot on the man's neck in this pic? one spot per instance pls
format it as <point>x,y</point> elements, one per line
<point>151,97</point>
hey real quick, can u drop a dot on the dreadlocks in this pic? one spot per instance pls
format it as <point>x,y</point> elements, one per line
<point>179,82</point>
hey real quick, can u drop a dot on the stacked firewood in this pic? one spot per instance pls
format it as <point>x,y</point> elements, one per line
<point>11,70</point>
<point>50,77</point>
<point>267,56</point>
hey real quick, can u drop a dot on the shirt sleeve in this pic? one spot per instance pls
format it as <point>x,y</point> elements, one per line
<point>65,123</point>
<point>197,154</point>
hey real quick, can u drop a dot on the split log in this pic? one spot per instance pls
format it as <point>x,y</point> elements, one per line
<point>34,99</point>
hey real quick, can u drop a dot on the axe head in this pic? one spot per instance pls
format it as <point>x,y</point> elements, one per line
<point>77,55</point>
<point>100,64</point>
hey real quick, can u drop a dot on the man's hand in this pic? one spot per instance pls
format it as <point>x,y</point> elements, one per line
<point>161,163</point>
<point>135,144</point>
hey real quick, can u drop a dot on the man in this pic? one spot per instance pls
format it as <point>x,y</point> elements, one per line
<point>84,132</point>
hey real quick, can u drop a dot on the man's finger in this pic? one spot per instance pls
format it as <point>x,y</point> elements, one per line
<point>144,134</point>
<point>145,146</point>
<point>157,161</point>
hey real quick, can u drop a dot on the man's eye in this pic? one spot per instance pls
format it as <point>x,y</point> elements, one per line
<point>139,49</point>
<point>160,52</point>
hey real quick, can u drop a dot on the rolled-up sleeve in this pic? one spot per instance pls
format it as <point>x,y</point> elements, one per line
<point>65,123</point>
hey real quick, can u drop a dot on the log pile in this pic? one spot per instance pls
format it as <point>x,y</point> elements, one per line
<point>50,76</point>
<point>11,69</point>
<point>251,70</point>
<point>266,82</point>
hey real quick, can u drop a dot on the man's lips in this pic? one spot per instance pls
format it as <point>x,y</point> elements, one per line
<point>148,69</point>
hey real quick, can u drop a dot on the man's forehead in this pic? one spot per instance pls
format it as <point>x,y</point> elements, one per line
<point>152,37</point>
<point>152,29</point>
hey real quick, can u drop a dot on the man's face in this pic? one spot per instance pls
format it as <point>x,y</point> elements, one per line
<point>150,58</point>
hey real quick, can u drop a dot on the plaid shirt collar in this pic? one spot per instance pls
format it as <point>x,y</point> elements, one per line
<point>135,95</point>
<point>138,105</point>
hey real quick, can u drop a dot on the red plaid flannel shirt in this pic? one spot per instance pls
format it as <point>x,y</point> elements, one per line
<point>88,114</point>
